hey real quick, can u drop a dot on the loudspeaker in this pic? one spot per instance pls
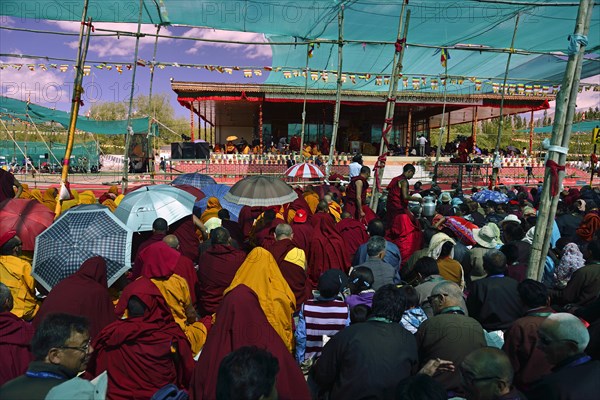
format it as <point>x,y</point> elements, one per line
<point>187,150</point>
<point>202,150</point>
<point>176,152</point>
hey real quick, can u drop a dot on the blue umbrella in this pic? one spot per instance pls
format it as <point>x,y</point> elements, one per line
<point>219,191</point>
<point>487,195</point>
<point>194,179</point>
<point>82,232</point>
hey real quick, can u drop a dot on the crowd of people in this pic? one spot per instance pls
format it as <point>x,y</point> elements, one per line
<point>320,298</point>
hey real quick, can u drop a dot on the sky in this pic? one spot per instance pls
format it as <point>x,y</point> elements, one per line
<point>52,88</point>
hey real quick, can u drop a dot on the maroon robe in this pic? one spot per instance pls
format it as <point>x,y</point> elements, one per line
<point>242,322</point>
<point>137,352</point>
<point>235,231</point>
<point>216,269</point>
<point>185,269</point>
<point>266,235</point>
<point>15,335</point>
<point>302,234</point>
<point>407,235</point>
<point>354,234</point>
<point>395,203</point>
<point>138,264</point>
<point>7,181</point>
<point>185,231</point>
<point>326,250</point>
<point>299,203</point>
<point>246,218</point>
<point>85,293</point>
<point>294,275</point>
<point>350,204</point>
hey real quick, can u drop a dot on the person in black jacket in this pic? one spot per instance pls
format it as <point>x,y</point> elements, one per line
<point>494,300</point>
<point>369,359</point>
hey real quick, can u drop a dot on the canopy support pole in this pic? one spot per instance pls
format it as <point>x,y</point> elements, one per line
<point>129,127</point>
<point>531,135</point>
<point>75,101</point>
<point>400,48</point>
<point>559,147</point>
<point>438,153</point>
<point>496,156</point>
<point>474,128</point>
<point>338,93</point>
<point>306,73</point>
<point>152,135</point>
<point>408,131</point>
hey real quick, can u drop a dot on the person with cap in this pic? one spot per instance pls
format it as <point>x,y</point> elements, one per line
<point>494,300</point>
<point>355,166</point>
<point>488,375</point>
<point>302,230</point>
<point>325,315</point>
<point>16,274</point>
<point>369,359</point>
<point>486,241</point>
<point>445,207</point>
<point>14,340</point>
<point>563,339</point>
<point>449,334</point>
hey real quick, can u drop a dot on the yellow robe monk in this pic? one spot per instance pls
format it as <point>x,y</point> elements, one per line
<point>37,195</point>
<point>16,274</point>
<point>176,292</point>
<point>307,152</point>
<point>110,203</point>
<point>26,193</point>
<point>49,198</point>
<point>87,197</point>
<point>66,204</point>
<point>312,198</point>
<point>212,209</point>
<point>261,273</point>
<point>335,210</point>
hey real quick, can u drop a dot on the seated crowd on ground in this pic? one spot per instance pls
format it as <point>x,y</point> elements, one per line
<point>320,298</point>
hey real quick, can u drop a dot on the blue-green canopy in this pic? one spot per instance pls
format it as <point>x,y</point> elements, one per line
<point>24,111</point>
<point>460,27</point>
<point>584,126</point>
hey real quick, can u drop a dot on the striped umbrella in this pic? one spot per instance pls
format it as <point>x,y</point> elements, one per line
<point>305,171</point>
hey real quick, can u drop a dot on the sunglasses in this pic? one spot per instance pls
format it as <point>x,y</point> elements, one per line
<point>85,348</point>
<point>435,296</point>
<point>546,341</point>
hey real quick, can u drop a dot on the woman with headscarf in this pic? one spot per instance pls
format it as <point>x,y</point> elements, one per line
<point>326,249</point>
<point>145,351</point>
<point>261,273</point>
<point>85,293</point>
<point>571,260</point>
<point>49,198</point>
<point>213,205</point>
<point>241,313</point>
<point>441,248</point>
<point>159,263</point>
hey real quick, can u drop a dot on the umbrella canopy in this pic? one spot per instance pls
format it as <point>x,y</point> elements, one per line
<point>194,179</point>
<point>230,138</point>
<point>219,192</point>
<point>261,190</point>
<point>28,218</point>
<point>487,195</point>
<point>305,171</point>
<point>80,233</point>
<point>140,208</point>
<point>194,191</point>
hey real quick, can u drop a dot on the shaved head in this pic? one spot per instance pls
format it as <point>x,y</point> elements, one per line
<point>566,327</point>
<point>283,231</point>
<point>6,298</point>
<point>489,361</point>
<point>171,241</point>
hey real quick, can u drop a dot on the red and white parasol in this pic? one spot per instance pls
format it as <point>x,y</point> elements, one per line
<point>304,170</point>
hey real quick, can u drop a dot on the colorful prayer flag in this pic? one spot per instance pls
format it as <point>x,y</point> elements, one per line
<point>444,57</point>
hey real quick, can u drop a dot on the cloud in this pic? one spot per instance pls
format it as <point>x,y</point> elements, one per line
<point>248,51</point>
<point>191,50</point>
<point>41,87</point>
<point>115,46</point>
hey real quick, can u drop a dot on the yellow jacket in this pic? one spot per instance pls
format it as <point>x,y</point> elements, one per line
<point>261,274</point>
<point>16,274</point>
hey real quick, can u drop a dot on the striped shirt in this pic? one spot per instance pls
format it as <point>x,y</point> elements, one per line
<point>322,318</point>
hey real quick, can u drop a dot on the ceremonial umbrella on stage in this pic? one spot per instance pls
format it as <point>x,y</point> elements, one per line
<point>140,208</point>
<point>487,195</point>
<point>305,171</point>
<point>28,218</point>
<point>80,233</point>
<point>261,190</point>
<point>219,191</point>
<point>230,138</point>
<point>194,179</point>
